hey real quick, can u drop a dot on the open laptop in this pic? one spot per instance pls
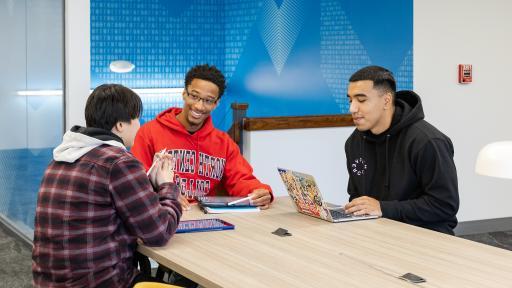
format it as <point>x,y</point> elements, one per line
<point>305,194</point>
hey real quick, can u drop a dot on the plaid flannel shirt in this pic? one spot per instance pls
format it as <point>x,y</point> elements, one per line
<point>89,216</point>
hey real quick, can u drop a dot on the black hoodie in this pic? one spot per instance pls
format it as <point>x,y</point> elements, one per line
<point>409,168</point>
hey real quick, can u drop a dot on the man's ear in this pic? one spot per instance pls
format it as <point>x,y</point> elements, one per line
<point>119,127</point>
<point>387,100</point>
<point>183,94</point>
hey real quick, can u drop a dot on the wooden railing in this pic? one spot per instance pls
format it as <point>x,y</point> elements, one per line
<point>242,123</point>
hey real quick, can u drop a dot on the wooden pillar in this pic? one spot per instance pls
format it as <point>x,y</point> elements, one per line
<point>237,128</point>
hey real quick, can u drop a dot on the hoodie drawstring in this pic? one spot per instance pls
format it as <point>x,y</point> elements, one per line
<point>362,156</point>
<point>386,186</point>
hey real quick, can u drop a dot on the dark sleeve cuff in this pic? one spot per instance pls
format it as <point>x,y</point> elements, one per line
<point>390,209</point>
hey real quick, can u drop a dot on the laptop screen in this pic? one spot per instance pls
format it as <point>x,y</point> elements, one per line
<point>303,190</point>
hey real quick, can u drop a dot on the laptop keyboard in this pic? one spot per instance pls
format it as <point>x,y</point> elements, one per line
<point>340,214</point>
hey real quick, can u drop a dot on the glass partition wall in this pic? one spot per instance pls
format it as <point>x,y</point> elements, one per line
<point>31,103</point>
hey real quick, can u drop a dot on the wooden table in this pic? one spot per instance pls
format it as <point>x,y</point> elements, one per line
<point>369,253</point>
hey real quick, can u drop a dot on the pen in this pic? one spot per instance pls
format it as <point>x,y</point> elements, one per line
<point>154,162</point>
<point>239,200</point>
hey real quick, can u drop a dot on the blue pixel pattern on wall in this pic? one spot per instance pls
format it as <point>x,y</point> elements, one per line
<point>284,58</point>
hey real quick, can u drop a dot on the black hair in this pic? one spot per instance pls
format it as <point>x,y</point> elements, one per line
<point>111,103</point>
<point>382,78</point>
<point>208,73</point>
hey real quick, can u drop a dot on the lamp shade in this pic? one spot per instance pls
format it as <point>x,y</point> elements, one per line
<point>121,66</point>
<point>495,159</point>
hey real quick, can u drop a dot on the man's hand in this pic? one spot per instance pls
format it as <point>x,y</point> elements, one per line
<point>364,205</point>
<point>185,205</point>
<point>261,198</point>
<point>162,171</point>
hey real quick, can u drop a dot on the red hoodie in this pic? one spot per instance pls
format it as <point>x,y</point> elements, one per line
<point>204,160</point>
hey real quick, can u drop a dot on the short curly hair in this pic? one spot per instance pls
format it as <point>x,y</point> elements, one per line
<point>207,73</point>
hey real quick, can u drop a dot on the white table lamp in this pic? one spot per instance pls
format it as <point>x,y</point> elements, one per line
<point>495,159</point>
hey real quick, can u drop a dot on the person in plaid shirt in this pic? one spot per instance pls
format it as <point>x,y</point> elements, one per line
<point>96,201</point>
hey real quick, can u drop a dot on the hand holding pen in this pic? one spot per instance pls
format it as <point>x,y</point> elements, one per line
<point>162,169</point>
<point>260,197</point>
<point>246,199</point>
<point>156,159</point>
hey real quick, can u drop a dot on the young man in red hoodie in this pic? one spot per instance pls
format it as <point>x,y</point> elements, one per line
<point>206,158</point>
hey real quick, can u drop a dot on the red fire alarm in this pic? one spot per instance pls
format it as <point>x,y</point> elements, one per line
<point>465,73</point>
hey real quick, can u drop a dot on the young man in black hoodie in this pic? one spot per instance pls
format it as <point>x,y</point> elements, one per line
<point>400,166</point>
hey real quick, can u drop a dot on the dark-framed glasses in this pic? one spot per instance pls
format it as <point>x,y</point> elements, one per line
<point>196,98</point>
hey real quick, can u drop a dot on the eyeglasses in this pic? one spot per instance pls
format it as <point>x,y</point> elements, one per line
<point>195,99</point>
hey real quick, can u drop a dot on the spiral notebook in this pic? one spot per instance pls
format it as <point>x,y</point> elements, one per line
<point>203,225</point>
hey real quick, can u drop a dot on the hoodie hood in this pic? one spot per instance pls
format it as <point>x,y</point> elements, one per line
<point>408,110</point>
<point>411,110</point>
<point>168,119</point>
<point>80,140</point>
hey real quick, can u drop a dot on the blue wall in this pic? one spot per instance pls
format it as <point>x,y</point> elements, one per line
<point>284,58</point>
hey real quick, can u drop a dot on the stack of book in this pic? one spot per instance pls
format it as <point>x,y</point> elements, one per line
<point>226,204</point>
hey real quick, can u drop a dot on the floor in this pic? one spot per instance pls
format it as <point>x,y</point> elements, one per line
<point>18,273</point>
<point>501,239</point>
<point>15,271</point>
